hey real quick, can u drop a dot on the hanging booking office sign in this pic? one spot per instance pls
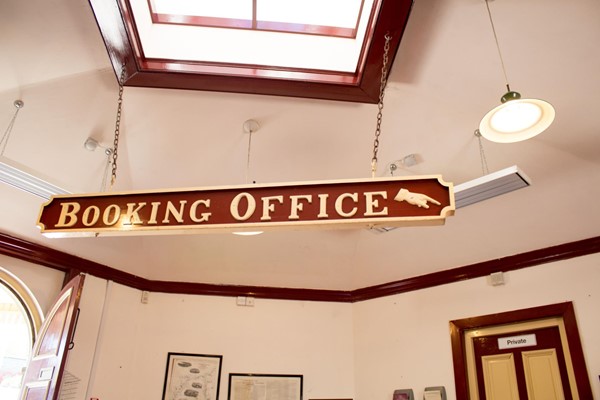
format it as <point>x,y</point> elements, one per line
<point>378,202</point>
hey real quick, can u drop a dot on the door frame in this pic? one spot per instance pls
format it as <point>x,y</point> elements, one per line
<point>559,310</point>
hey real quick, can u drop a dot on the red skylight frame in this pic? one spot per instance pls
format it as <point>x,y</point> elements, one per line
<point>117,28</point>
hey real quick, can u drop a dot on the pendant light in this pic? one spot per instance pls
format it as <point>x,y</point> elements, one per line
<point>516,119</point>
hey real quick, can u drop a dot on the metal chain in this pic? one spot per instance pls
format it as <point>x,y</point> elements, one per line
<point>18,105</point>
<point>115,154</point>
<point>384,73</point>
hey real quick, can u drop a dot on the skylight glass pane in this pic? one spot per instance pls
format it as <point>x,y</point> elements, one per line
<point>330,49</point>
<point>234,9</point>
<point>338,13</point>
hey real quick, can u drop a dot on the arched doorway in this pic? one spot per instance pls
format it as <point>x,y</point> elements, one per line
<point>20,319</point>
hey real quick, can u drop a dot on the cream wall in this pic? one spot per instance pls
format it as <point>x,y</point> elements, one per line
<point>314,339</point>
<point>44,283</point>
<point>362,351</point>
<point>403,341</point>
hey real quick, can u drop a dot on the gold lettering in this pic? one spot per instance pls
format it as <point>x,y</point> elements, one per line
<point>106,215</point>
<point>339,203</point>
<point>297,206</point>
<point>132,217</point>
<point>68,215</point>
<point>323,206</point>
<point>153,213</point>
<point>268,207</point>
<point>374,203</point>
<point>178,214</point>
<point>235,204</point>
<point>85,218</point>
<point>203,216</point>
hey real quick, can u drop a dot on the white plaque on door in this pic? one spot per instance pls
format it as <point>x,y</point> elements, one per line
<point>46,374</point>
<point>517,341</point>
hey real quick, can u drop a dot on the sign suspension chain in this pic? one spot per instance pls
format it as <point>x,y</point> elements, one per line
<point>115,153</point>
<point>363,203</point>
<point>384,73</point>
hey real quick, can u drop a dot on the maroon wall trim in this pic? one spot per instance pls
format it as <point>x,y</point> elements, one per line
<point>38,254</point>
<point>505,264</point>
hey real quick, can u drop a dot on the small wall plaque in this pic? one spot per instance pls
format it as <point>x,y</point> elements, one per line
<point>403,394</point>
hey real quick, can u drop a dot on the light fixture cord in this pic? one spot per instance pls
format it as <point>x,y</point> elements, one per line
<point>484,165</point>
<point>384,73</point>
<point>248,158</point>
<point>497,44</point>
<point>4,141</point>
<point>115,153</point>
<point>105,175</point>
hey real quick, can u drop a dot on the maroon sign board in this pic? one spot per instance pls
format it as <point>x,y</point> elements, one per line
<point>367,203</point>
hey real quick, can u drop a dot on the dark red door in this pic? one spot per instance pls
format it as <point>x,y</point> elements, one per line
<point>44,372</point>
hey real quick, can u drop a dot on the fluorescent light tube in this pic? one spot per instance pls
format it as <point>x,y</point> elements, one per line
<point>491,185</point>
<point>22,178</point>
<point>483,188</point>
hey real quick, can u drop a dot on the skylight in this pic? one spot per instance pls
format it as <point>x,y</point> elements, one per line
<point>309,34</point>
<point>330,17</point>
<point>324,49</point>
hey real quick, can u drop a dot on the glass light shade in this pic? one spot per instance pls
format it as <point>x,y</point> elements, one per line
<point>248,233</point>
<point>517,120</point>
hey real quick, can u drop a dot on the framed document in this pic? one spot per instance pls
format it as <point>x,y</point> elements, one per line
<point>403,394</point>
<point>192,376</point>
<point>265,387</point>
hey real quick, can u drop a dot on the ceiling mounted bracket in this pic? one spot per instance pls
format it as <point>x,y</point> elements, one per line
<point>92,144</point>
<point>251,126</point>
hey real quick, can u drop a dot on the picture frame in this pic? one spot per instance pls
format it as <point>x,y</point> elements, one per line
<point>192,376</point>
<point>265,387</point>
<point>403,394</point>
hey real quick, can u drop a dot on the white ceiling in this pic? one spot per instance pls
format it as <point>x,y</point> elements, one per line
<point>446,76</point>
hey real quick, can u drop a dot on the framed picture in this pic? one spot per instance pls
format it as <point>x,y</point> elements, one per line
<point>403,394</point>
<point>265,387</point>
<point>192,376</point>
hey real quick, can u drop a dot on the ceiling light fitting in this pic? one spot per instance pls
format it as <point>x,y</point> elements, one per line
<point>482,188</point>
<point>516,119</point>
<point>247,233</point>
<point>407,161</point>
<point>490,185</point>
<point>250,126</point>
<point>20,177</point>
<point>92,144</point>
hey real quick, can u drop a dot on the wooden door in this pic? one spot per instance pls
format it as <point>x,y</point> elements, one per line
<point>537,370</point>
<point>44,372</point>
<point>538,361</point>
